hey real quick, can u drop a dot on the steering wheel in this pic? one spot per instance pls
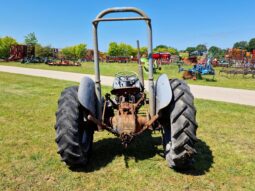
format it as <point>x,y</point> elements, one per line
<point>126,76</point>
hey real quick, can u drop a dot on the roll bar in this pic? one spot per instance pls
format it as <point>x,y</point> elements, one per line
<point>100,18</point>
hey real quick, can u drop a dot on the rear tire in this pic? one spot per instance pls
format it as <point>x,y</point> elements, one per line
<point>74,136</point>
<point>179,130</point>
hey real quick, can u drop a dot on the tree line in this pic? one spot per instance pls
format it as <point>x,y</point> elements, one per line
<point>245,45</point>
<point>72,52</point>
<point>114,49</point>
<point>123,49</point>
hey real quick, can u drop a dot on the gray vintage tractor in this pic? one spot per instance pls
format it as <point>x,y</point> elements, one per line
<point>82,110</point>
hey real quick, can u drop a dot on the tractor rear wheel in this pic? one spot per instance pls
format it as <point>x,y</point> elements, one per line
<point>74,136</point>
<point>179,130</point>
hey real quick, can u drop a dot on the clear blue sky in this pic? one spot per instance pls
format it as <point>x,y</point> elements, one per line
<point>178,23</point>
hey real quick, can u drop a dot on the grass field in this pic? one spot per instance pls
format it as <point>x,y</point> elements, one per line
<point>28,158</point>
<point>110,69</point>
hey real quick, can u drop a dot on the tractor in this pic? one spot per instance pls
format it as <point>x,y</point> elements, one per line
<point>198,70</point>
<point>82,110</point>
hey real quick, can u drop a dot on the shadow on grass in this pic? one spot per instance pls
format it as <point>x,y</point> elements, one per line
<point>142,148</point>
<point>104,151</point>
<point>203,160</point>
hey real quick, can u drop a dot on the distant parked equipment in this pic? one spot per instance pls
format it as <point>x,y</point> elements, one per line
<point>253,57</point>
<point>198,70</point>
<point>117,59</point>
<point>156,65</point>
<point>89,57</point>
<point>63,62</point>
<point>19,52</point>
<point>243,70</point>
<point>162,57</point>
<point>33,60</point>
<point>193,57</point>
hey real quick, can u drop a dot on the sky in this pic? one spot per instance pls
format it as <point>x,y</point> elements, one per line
<point>175,23</point>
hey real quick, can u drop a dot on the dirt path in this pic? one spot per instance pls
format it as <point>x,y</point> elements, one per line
<point>246,97</point>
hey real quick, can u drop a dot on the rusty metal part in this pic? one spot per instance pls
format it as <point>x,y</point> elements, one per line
<point>147,124</point>
<point>108,97</point>
<point>127,122</point>
<point>188,75</point>
<point>139,101</point>
<point>102,125</point>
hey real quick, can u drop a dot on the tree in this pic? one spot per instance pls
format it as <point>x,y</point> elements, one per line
<point>160,49</point>
<point>80,51</point>
<point>74,52</point>
<point>216,52</point>
<point>5,46</point>
<point>31,39</point>
<point>68,53</point>
<point>113,49</point>
<point>251,45</point>
<point>164,48</point>
<point>161,46</point>
<point>241,45</point>
<point>135,52</point>
<point>43,51</point>
<point>121,49</point>
<point>173,51</point>
<point>190,49</point>
<point>201,48</point>
<point>143,50</point>
<point>125,49</point>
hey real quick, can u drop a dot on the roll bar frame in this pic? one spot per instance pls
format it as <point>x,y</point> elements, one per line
<point>100,18</point>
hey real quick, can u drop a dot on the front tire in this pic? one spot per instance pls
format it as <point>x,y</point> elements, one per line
<point>74,136</point>
<point>179,130</point>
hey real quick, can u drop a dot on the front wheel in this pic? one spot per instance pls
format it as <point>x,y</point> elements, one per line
<point>179,128</point>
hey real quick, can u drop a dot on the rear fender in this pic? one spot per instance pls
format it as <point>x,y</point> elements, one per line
<point>87,96</point>
<point>164,93</point>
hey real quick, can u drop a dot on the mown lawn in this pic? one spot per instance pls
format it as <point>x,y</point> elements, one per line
<point>110,69</point>
<point>28,158</point>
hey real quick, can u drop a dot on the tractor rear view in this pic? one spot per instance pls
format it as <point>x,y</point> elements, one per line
<point>82,110</point>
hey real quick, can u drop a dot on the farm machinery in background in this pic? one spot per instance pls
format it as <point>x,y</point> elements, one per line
<point>20,52</point>
<point>156,65</point>
<point>159,59</point>
<point>89,57</point>
<point>198,70</point>
<point>241,62</point>
<point>25,54</point>
<point>58,59</point>
<point>192,58</point>
<point>118,59</point>
<point>170,108</point>
<point>238,57</point>
<point>63,62</point>
<point>162,57</point>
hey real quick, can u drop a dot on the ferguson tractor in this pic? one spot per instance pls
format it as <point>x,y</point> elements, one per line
<point>82,110</point>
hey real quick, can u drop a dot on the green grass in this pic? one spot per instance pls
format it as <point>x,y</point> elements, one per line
<point>28,158</point>
<point>171,70</point>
